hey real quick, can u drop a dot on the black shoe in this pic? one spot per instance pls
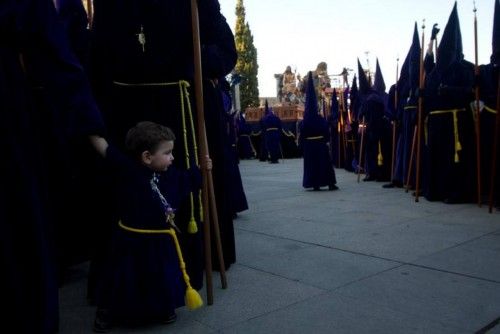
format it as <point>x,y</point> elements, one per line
<point>369,178</point>
<point>333,187</point>
<point>414,193</point>
<point>170,318</point>
<point>389,185</point>
<point>102,322</point>
<point>316,188</point>
<point>397,184</point>
<point>454,200</point>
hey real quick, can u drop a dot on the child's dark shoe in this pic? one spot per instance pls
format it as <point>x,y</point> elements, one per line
<point>170,318</point>
<point>102,323</point>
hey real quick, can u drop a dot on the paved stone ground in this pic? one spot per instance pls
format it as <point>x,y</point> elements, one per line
<point>362,259</point>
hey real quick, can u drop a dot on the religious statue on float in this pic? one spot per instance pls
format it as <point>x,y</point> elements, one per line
<point>289,85</point>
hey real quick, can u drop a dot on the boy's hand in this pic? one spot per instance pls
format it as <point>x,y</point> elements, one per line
<point>100,144</point>
<point>207,163</point>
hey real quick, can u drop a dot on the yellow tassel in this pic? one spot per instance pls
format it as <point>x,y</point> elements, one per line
<point>192,227</point>
<point>380,158</point>
<point>193,299</point>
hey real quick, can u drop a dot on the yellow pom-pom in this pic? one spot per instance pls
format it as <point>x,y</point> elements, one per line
<point>193,299</point>
<point>192,227</point>
<point>380,158</point>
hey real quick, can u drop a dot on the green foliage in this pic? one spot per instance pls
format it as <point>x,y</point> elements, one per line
<point>246,65</point>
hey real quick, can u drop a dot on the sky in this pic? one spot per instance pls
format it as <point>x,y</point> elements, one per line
<point>302,33</point>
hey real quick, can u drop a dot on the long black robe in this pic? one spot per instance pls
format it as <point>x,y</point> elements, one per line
<point>30,28</point>
<point>133,81</point>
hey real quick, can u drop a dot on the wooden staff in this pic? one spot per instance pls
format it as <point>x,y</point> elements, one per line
<point>436,46</point>
<point>342,138</point>
<point>419,117</point>
<point>90,12</point>
<point>339,128</point>
<point>394,121</point>
<point>208,185</point>
<point>495,150</point>
<point>361,147</point>
<point>477,122</point>
<point>412,154</point>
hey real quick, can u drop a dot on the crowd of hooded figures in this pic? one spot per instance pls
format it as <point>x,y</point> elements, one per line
<point>94,111</point>
<point>379,135</point>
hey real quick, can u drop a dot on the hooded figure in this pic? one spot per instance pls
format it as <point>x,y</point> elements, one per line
<point>243,131</point>
<point>372,110</point>
<point>34,50</point>
<point>271,131</point>
<point>384,149</point>
<point>488,90</point>
<point>235,194</point>
<point>449,140</point>
<point>314,136</point>
<point>333,124</point>
<point>405,110</point>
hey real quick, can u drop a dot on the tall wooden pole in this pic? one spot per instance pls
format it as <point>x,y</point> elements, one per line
<point>343,124</point>
<point>90,12</point>
<point>477,123</point>
<point>394,121</point>
<point>208,186</point>
<point>495,149</point>
<point>419,117</point>
<point>362,127</point>
<point>412,154</point>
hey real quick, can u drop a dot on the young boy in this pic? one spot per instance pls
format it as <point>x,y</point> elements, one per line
<point>144,282</point>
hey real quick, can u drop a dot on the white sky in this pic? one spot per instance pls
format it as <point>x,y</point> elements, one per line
<point>302,33</point>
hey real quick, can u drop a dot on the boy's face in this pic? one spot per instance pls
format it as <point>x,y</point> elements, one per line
<point>162,158</point>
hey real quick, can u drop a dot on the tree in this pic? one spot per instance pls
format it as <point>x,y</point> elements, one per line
<point>246,65</point>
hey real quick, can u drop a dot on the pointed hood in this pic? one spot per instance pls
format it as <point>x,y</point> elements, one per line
<point>379,84</point>
<point>311,105</point>
<point>450,49</point>
<point>334,109</point>
<point>353,98</point>
<point>495,55</point>
<point>354,88</point>
<point>267,110</point>
<point>414,61</point>
<point>364,86</point>
<point>404,74</point>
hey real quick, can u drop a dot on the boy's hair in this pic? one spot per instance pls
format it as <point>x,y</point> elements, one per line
<point>146,136</point>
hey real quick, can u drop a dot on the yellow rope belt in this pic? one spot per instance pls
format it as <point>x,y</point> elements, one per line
<point>193,299</point>
<point>184,98</point>
<point>314,138</point>
<point>410,107</point>
<point>271,129</point>
<point>491,110</point>
<point>458,146</point>
<point>380,158</point>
